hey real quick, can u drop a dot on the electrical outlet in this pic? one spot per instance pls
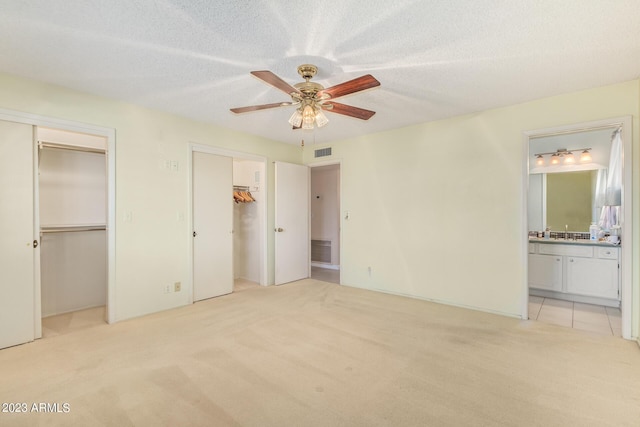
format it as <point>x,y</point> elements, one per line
<point>177,287</point>
<point>369,271</point>
<point>167,288</point>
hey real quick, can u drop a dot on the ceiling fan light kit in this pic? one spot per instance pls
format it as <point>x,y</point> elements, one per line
<point>312,99</point>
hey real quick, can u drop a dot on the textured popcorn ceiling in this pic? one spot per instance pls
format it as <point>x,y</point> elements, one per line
<point>434,59</point>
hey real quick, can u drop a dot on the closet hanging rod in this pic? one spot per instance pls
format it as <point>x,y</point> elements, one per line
<point>72,228</point>
<point>44,144</point>
<point>241,188</point>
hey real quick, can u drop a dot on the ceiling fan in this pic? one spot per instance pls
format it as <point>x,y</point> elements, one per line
<point>312,99</point>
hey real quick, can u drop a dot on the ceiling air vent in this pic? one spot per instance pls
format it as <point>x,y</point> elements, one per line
<point>323,152</point>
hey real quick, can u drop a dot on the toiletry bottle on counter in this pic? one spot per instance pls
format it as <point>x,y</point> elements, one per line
<point>593,231</point>
<point>547,233</point>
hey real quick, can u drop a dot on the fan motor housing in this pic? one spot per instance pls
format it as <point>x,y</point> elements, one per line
<point>307,71</point>
<point>309,88</point>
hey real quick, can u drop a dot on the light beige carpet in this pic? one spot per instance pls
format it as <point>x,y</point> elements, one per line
<point>317,354</point>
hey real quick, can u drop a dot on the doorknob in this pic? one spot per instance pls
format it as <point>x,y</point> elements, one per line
<point>279,230</point>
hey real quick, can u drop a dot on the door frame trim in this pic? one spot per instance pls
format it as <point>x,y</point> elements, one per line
<point>340,210</point>
<point>110,135</point>
<point>196,147</point>
<point>627,289</point>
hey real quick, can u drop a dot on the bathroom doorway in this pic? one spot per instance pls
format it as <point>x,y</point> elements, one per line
<point>557,283</point>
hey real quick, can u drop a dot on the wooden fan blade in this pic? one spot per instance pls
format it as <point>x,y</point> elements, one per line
<point>348,110</point>
<point>355,85</point>
<point>260,107</point>
<point>275,81</point>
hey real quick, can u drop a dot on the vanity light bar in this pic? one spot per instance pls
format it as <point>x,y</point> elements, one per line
<point>563,155</point>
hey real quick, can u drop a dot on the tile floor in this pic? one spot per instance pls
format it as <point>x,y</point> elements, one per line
<point>586,317</point>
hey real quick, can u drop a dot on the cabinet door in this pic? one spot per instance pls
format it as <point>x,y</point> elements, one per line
<point>593,276</point>
<point>545,272</point>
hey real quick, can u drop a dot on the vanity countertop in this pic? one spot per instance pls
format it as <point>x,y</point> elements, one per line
<point>581,242</point>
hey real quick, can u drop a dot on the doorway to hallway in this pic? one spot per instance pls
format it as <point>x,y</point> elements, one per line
<point>325,222</point>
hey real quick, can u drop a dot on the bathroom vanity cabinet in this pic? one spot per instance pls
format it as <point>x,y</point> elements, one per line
<point>582,272</point>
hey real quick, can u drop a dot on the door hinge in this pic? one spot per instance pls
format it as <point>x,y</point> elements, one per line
<point>35,244</point>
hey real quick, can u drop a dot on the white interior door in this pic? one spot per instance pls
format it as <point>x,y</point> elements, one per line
<point>17,254</point>
<point>292,259</point>
<point>212,225</point>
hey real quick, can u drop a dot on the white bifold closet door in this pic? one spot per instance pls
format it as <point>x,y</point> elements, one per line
<point>212,225</point>
<point>17,251</point>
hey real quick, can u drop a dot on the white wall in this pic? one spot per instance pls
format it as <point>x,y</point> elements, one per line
<point>248,233</point>
<point>73,270</point>
<point>73,187</point>
<point>598,140</point>
<point>325,207</point>
<point>437,209</point>
<point>536,204</point>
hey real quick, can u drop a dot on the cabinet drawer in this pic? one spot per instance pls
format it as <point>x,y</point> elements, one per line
<point>607,253</point>
<point>532,248</point>
<point>570,250</point>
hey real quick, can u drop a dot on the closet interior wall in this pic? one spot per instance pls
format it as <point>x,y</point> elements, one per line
<point>247,237</point>
<point>72,211</point>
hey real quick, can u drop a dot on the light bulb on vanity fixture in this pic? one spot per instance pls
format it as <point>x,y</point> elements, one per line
<point>585,157</point>
<point>569,158</point>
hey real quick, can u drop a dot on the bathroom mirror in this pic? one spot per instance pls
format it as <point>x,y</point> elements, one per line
<point>569,200</point>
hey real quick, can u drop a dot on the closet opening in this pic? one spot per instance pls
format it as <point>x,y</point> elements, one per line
<point>228,221</point>
<point>248,206</point>
<point>325,222</point>
<point>72,211</point>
